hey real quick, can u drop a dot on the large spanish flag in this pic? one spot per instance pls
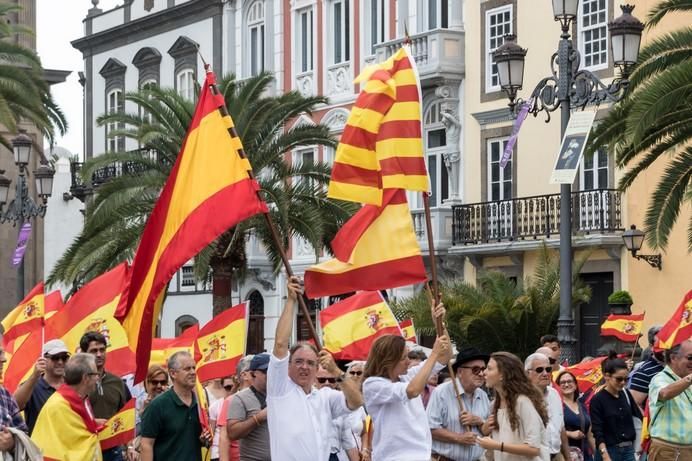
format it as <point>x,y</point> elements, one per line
<point>588,374</point>
<point>408,330</point>
<point>220,344</point>
<point>381,146</point>
<point>54,303</point>
<point>626,328</point>
<point>163,348</point>
<point>375,250</point>
<point>351,326</point>
<point>208,191</point>
<point>120,428</point>
<point>678,328</point>
<point>27,316</point>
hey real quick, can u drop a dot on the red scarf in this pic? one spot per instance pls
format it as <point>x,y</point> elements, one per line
<point>79,406</point>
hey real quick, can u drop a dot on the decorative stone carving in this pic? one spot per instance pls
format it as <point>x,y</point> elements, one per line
<point>453,156</point>
<point>336,119</point>
<point>302,248</point>
<point>266,279</point>
<point>148,5</point>
<point>338,80</point>
<point>304,84</point>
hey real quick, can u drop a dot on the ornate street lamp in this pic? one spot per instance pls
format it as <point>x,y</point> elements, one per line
<point>44,181</point>
<point>4,189</point>
<point>569,88</point>
<point>634,238</point>
<point>21,147</point>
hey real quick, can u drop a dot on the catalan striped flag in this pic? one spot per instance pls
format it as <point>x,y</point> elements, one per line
<point>120,428</point>
<point>220,344</point>
<point>163,348</point>
<point>626,328</point>
<point>27,316</point>
<point>678,328</point>
<point>408,330</point>
<point>352,325</point>
<point>208,191</point>
<point>381,146</point>
<point>375,250</point>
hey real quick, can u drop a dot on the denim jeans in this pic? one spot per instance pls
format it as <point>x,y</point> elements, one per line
<point>618,454</point>
<point>116,454</point>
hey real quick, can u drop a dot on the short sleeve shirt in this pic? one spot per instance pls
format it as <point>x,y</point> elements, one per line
<point>39,395</point>
<point>255,445</point>
<point>174,426</point>
<point>642,377</point>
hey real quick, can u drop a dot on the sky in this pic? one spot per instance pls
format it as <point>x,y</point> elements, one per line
<point>58,22</point>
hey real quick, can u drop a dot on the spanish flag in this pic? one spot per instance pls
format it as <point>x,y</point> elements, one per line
<point>220,344</point>
<point>54,303</point>
<point>27,316</point>
<point>624,327</point>
<point>408,330</point>
<point>381,146</point>
<point>588,374</point>
<point>678,328</point>
<point>351,326</point>
<point>163,348</point>
<point>120,428</point>
<point>375,250</point>
<point>65,429</point>
<point>209,191</point>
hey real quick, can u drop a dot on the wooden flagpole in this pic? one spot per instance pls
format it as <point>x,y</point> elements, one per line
<point>272,229</point>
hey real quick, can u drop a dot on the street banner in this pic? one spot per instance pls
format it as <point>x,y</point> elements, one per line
<point>572,147</point>
<point>521,116</point>
<point>22,242</point>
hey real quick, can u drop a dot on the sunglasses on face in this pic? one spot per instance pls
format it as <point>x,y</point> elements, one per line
<point>475,370</point>
<point>158,382</point>
<point>60,357</point>
<point>228,388</point>
<point>355,373</point>
<point>540,370</point>
<point>326,380</point>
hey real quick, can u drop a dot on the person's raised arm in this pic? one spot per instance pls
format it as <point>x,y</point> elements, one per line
<point>24,391</point>
<point>350,388</point>
<point>442,353</point>
<point>282,337</point>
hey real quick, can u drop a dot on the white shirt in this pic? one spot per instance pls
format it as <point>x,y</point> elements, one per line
<point>556,420</point>
<point>214,410</point>
<point>299,423</point>
<point>401,431</point>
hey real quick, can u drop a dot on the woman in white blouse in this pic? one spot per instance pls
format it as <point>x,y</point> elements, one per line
<point>392,397</point>
<point>519,414</point>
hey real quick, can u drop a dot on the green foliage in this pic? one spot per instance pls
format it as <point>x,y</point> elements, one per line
<point>654,121</point>
<point>498,313</point>
<point>620,297</point>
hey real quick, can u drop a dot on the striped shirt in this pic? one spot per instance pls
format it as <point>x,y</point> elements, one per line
<point>443,412</point>
<point>670,420</point>
<point>642,376</point>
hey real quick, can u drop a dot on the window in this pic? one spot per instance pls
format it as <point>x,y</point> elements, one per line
<point>303,157</point>
<point>437,14</point>
<point>375,33</point>
<point>498,23</point>
<point>184,322</point>
<point>594,171</point>
<point>341,27</point>
<point>255,328</point>
<point>499,179</point>
<point>187,276</point>
<point>255,23</point>
<point>303,331</point>
<point>115,103</point>
<point>305,40</point>
<point>185,83</point>
<point>593,33</point>
<point>435,146</point>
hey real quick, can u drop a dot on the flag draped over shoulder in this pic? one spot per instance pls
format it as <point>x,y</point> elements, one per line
<point>375,250</point>
<point>27,316</point>
<point>624,327</point>
<point>408,330</point>
<point>678,328</point>
<point>351,326</point>
<point>220,344</point>
<point>163,348</point>
<point>120,428</point>
<point>381,146</point>
<point>208,191</point>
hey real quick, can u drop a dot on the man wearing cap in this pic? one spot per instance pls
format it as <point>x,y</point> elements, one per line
<point>247,414</point>
<point>453,431</point>
<point>48,375</point>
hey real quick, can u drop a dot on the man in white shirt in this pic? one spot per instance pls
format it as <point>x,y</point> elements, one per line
<point>539,371</point>
<point>300,416</point>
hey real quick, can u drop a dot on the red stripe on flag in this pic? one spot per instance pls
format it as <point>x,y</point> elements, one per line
<point>343,172</point>
<point>218,369</point>
<point>349,305</point>
<point>399,129</point>
<point>407,93</point>
<point>358,137</point>
<point>358,350</point>
<point>376,102</point>
<point>403,165</point>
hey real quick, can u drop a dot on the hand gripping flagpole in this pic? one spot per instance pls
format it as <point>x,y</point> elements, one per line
<point>272,227</point>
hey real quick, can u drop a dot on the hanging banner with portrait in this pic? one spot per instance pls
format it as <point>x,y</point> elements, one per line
<point>572,147</point>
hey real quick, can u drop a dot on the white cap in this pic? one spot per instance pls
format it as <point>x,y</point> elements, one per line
<point>55,347</point>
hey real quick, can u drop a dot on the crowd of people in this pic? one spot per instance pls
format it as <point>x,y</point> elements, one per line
<point>296,404</point>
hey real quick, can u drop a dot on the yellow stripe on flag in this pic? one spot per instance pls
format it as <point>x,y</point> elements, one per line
<point>353,326</point>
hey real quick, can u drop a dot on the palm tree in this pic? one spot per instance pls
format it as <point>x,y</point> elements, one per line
<point>296,194</point>
<point>654,120</point>
<point>24,94</point>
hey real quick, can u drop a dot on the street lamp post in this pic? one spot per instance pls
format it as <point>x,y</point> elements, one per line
<point>569,88</point>
<point>23,208</point>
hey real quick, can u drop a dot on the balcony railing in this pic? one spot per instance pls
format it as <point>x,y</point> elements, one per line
<point>593,211</point>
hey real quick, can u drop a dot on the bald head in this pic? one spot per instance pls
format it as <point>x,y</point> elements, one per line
<point>554,356</point>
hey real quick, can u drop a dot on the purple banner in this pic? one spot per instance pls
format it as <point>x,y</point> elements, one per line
<point>521,116</point>
<point>22,242</point>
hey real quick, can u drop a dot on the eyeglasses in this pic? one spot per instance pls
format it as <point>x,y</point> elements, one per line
<point>57,358</point>
<point>93,373</point>
<point>228,388</point>
<point>355,373</point>
<point>301,362</point>
<point>326,380</point>
<point>566,382</point>
<point>475,370</point>
<point>540,370</point>
<point>158,382</point>
<point>620,379</point>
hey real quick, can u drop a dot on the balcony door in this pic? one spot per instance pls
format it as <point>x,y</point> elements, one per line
<point>590,316</point>
<point>499,212</point>
<point>594,208</point>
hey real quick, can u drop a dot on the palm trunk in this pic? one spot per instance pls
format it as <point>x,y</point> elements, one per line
<point>221,290</point>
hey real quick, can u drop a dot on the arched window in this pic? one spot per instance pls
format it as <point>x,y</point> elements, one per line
<point>435,139</point>
<point>255,37</point>
<point>115,104</point>
<point>184,322</point>
<point>255,330</point>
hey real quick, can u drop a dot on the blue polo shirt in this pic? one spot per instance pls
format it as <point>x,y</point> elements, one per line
<point>42,390</point>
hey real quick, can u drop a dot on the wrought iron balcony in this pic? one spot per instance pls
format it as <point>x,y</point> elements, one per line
<point>593,212</point>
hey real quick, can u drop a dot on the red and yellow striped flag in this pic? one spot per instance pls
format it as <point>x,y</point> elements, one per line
<point>163,348</point>
<point>208,191</point>
<point>375,250</point>
<point>120,428</point>
<point>408,330</point>
<point>220,344</point>
<point>381,146</point>
<point>624,327</point>
<point>27,316</point>
<point>351,326</point>
<point>678,328</point>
